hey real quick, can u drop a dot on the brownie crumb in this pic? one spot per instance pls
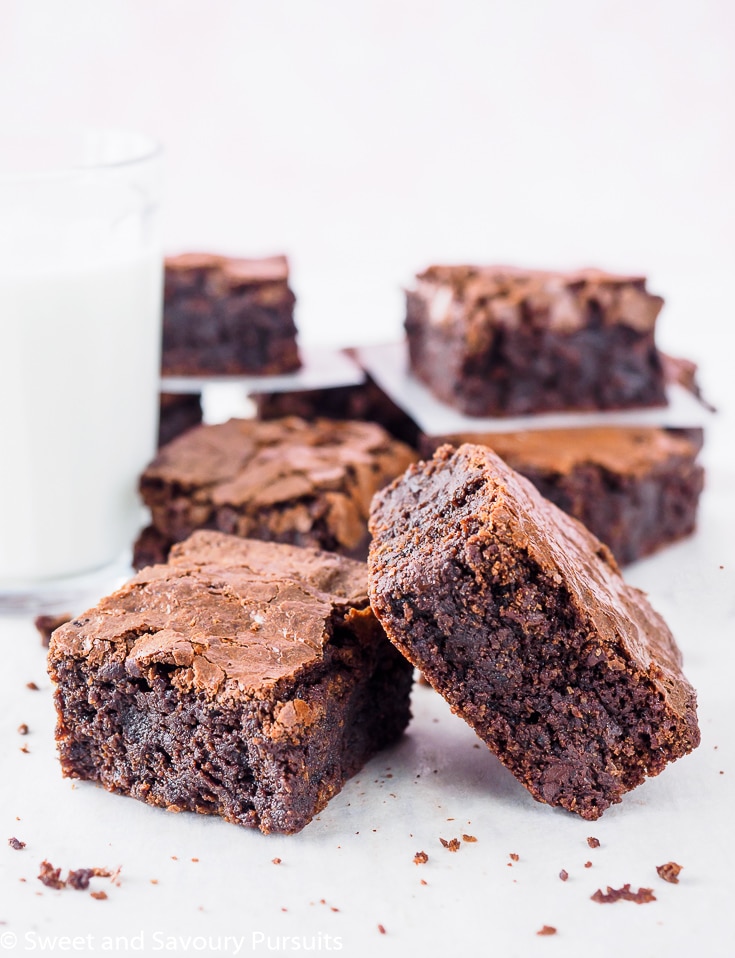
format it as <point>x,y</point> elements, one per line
<point>640,897</point>
<point>46,624</point>
<point>381,929</point>
<point>593,842</point>
<point>588,864</point>
<point>50,876</point>
<point>420,858</point>
<point>513,857</point>
<point>546,930</point>
<point>22,729</point>
<point>452,845</point>
<point>32,686</point>
<point>563,874</point>
<point>669,872</point>
<point>276,861</point>
<point>17,844</point>
<point>469,838</point>
<point>99,895</point>
<point>76,878</point>
<point>424,882</point>
<point>80,877</point>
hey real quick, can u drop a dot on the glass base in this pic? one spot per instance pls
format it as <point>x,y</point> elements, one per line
<point>68,594</point>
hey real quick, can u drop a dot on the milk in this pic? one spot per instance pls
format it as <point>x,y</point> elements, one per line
<point>79,375</point>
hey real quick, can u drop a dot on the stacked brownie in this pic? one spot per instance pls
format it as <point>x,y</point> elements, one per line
<point>496,341</point>
<point>500,342</point>
<point>228,316</point>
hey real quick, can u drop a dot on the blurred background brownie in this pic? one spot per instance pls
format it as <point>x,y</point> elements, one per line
<point>177,413</point>
<point>244,679</point>
<point>228,316</point>
<point>499,341</point>
<point>636,488</point>
<point>285,480</point>
<point>364,401</point>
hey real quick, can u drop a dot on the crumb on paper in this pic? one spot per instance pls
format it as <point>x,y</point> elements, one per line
<point>563,874</point>
<point>514,857</point>
<point>78,878</point>
<point>669,872</point>
<point>16,843</point>
<point>546,930</point>
<point>593,842</point>
<point>469,838</point>
<point>32,686</point>
<point>420,858</point>
<point>452,845</point>
<point>640,897</point>
<point>23,729</point>
<point>276,861</point>
<point>99,895</point>
<point>381,929</point>
<point>588,864</point>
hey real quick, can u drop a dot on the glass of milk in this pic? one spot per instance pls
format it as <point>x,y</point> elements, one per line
<point>81,273</point>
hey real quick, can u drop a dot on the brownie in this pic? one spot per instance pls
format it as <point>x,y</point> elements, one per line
<point>635,487</point>
<point>363,401</point>
<point>228,316</point>
<point>244,679</point>
<point>499,341</point>
<point>285,480</point>
<point>178,412</point>
<point>520,618</point>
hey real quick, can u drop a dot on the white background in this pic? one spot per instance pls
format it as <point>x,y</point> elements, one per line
<point>365,140</point>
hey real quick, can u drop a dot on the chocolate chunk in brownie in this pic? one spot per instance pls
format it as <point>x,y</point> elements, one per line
<point>243,679</point>
<point>498,341</point>
<point>223,315</point>
<point>635,487</point>
<point>284,480</point>
<point>520,618</point>
<point>178,412</point>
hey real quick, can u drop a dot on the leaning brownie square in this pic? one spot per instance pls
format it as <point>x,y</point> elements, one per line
<point>498,341</point>
<point>243,679</point>
<point>284,480</point>
<point>519,617</point>
<point>228,316</point>
<point>636,488</point>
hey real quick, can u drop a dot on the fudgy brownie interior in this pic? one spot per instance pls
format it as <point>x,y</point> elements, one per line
<point>519,617</point>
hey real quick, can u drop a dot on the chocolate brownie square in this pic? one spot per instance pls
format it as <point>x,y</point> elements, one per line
<point>364,401</point>
<point>498,341</point>
<point>520,618</point>
<point>284,480</point>
<point>228,316</point>
<point>635,487</point>
<point>243,679</point>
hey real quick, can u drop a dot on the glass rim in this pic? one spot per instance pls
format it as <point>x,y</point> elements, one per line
<point>143,148</point>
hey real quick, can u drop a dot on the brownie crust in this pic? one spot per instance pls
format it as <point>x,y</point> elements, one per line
<point>498,341</point>
<point>228,316</point>
<point>286,480</point>
<point>636,488</point>
<point>244,679</point>
<point>520,618</point>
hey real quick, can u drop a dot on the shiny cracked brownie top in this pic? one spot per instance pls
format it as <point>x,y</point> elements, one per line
<point>232,617</point>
